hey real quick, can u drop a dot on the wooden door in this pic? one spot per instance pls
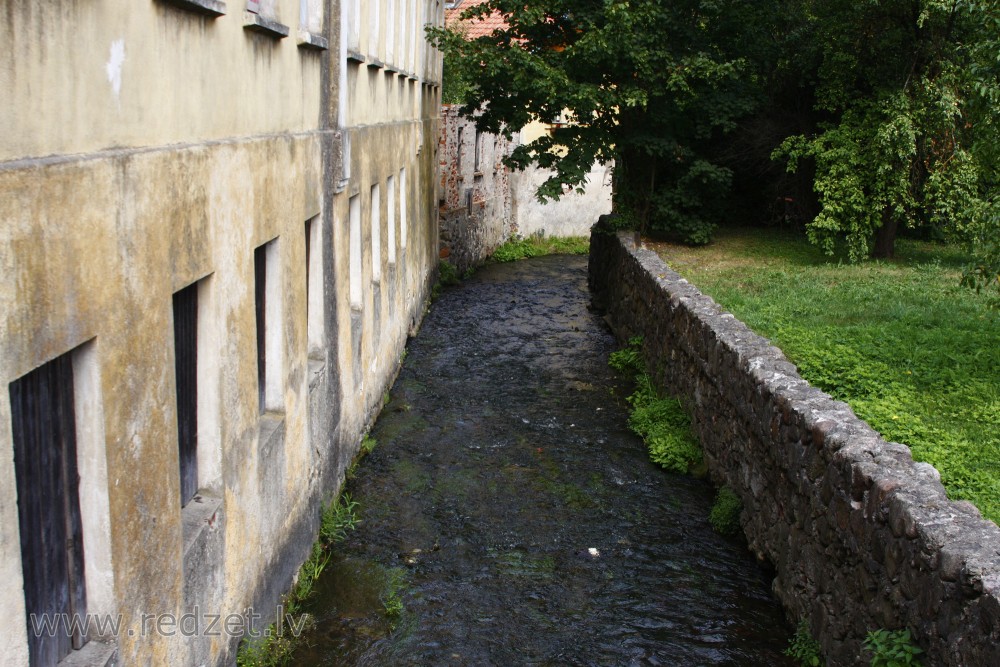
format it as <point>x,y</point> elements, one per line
<point>48,503</point>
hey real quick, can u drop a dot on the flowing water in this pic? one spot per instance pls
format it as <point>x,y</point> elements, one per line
<point>510,518</point>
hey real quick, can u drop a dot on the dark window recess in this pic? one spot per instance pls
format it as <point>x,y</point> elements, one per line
<point>478,149</point>
<point>309,224</point>
<point>461,146</point>
<point>260,284</point>
<point>186,368</point>
<point>48,504</point>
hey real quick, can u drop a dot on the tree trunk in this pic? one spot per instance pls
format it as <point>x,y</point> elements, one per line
<point>885,238</point>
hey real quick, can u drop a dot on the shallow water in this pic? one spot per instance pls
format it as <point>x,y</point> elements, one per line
<point>514,518</point>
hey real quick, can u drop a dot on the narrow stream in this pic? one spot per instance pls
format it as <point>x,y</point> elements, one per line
<point>510,518</point>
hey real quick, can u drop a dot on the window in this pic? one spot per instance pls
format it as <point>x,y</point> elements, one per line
<point>48,502</point>
<point>402,207</point>
<point>390,189</point>
<point>186,373</point>
<point>461,148</point>
<point>354,214</point>
<point>314,285</point>
<point>478,150</point>
<point>268,293</point>
<point>376,230</point>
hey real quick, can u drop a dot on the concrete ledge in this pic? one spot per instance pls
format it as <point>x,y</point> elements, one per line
<point>312,41</point>
<point>202,514</point>
<point>93,654</point>
<point>211,8</point>
<point>861,536</point>
<point>265,26</point>
<point>355,56</point>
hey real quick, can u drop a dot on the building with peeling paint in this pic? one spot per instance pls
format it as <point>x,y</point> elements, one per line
<point>217,227</point>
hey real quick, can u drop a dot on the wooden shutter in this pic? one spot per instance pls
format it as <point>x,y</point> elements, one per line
<point>48,503</point>
<point>260,285</point>
<point>186,368</point>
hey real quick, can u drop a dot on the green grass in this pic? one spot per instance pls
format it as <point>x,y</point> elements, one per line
<point>912,352</point>
<point>535,246</point>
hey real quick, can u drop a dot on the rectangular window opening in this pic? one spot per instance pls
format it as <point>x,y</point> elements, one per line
<point>354,214</point>
<point>186,374</point>
<point>390,205</point>
<point>376,231</point>
<point>314,285</point>
<point>402,207</point>
<point>268,298</point>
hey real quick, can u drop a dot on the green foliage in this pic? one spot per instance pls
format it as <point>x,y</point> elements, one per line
<point>892,648</point>
<point>649,85</point>
<point>392,600</point>
<point>268,650</point>
<point>803,648</point>
<point>725,515</point>
<point>339,518</point>
<point>661,421</point>
<point>629,358</point>
<point>368,443</point>
<point>274,647</point>
<point>535,246</point>
<point>914,355</point>
<point>447,276</point>
<point>905,137</point>
<point>447,273</point>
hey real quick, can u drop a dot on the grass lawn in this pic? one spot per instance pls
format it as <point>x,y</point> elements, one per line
<point>914,354</point>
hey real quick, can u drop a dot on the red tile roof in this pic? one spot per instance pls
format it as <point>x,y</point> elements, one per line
<point>473,28</point>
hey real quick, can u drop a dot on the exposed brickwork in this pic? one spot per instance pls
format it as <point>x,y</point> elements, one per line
<point>860,535</point>
<point>476,198</point>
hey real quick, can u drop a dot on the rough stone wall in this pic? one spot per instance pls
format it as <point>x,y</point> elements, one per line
<point>476,201</point>
<point>861,536</point>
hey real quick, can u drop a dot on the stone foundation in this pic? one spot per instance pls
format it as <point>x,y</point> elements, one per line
<point>861,536</point>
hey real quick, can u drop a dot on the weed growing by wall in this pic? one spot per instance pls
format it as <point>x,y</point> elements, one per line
<point>725,515</point>
<point>892,648</point>
<point>661,421</point>
<point>803,648</point>
<point>274,648</point>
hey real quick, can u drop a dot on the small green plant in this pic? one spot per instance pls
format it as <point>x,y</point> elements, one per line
<point>447,275</point>
<point>803,647</point>
<point>268,650</point>
<point>368,443</point>
<point>661,421</point>
<point>339,517</point>
<point>892,648</point>
<point>392,601</point>
<point>725,515</point>
<point>629,358</point>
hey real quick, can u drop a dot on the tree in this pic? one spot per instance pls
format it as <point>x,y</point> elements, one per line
<point>647,84</point>
<point>905,95</point>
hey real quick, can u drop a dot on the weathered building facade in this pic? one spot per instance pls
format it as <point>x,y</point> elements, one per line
<point>217,227</point>
<point>483,202</point>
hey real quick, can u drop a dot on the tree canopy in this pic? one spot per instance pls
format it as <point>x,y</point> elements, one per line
<point>883,109</point>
